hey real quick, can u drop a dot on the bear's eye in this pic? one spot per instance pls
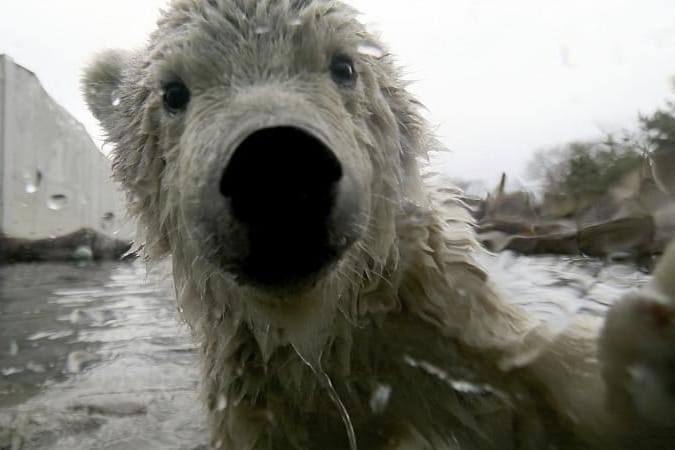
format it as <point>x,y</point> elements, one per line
<point>176,97</point>
<point>343,72</point>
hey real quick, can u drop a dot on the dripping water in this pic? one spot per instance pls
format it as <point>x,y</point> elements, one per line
<point>327,383</point>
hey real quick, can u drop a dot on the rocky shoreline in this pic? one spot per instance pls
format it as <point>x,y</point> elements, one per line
<point>629,224</point>
<point>82,245</point>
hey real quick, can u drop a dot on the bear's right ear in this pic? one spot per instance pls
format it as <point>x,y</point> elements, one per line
<point>101,84</point>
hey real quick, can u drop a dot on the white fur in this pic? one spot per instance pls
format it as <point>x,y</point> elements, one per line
<point>406,311</point>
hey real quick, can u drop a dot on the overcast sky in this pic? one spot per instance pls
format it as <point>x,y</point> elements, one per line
<point>500,78</point>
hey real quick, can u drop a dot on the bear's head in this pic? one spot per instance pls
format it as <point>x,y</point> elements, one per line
<point>271,141</point>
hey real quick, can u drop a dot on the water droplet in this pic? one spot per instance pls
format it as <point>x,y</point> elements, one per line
<point>107,220</point>
<point>222,403</point>
<point>115,98</point>
<point>57,201</point>
<point>262,29</point>
<point>32,181</point>
<point>380,398</point>
<point>13,348</point>
<point>369,49</point>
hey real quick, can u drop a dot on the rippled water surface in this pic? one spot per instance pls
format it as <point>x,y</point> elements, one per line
<point>96,357</point>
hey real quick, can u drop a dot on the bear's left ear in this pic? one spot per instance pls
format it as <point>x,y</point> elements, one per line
<point>101,83</point>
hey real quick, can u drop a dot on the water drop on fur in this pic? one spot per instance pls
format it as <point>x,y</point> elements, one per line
<point>221,404</point>
<point>368,49</point>
<point>380,398</point>
<point>115,99</point>
<point>262,29</point>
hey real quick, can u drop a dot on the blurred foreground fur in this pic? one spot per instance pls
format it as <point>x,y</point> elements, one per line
<point>401,342</point>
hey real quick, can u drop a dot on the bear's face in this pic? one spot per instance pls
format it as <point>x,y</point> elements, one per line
<point>263,138</point>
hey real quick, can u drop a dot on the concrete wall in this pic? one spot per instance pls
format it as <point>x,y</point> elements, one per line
<point>53,179</point>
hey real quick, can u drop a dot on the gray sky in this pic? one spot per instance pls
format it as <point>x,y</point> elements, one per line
<point>500,78</point>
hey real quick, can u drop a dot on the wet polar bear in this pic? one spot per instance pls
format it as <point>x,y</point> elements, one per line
<point>271,148</point>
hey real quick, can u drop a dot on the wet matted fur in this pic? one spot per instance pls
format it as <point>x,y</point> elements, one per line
<point>403,343</point>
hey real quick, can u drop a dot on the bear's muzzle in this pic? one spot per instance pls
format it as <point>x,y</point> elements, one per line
<point>292,202</point>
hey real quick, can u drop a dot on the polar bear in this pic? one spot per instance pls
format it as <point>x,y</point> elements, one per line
<point>270,147</point>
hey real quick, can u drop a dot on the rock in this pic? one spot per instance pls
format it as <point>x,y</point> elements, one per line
<point>556,244</point>
<point>510,206</point>
<point>664,168</point>
<point>84,244</point>
<point>664,222</point>
<point>506,226</point>
<point>561,242</point>
<point>112,408</point>
<point>627,237</point>
<point>557,206</point>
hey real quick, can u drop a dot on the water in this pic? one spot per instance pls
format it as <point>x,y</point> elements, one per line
<point>95,357</point>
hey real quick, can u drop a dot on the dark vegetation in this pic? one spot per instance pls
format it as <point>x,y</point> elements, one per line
<point>595,197</point>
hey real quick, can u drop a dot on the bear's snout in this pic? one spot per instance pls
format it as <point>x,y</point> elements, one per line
<point>281,171</point>
<point>289,194</point>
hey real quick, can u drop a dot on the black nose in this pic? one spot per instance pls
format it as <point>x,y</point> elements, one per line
<point>278,172</point>
<point>283,184</point>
